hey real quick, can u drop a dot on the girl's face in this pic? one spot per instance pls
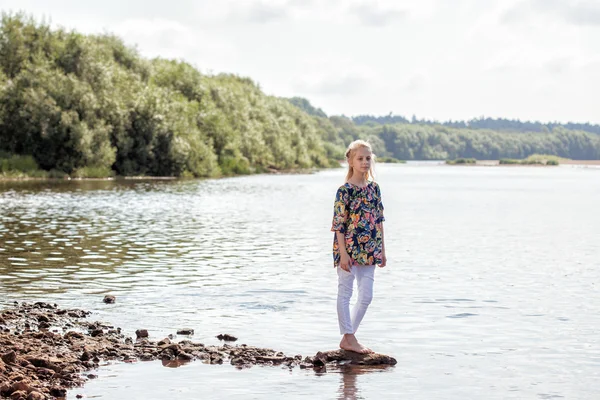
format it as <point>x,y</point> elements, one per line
<point>362,159</point>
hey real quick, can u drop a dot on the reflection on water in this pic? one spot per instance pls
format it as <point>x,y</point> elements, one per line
<point>350,376</point>
<point>491,290</point>
<point>174,363</point>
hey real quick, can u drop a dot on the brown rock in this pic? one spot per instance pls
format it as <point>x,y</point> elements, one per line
<point>216,359</point>
<point>97,332</point>
<point>274,360</point>
<point>43,325</point>
<point>47,306</point>
<point>58,391</point>
<point>141,333</point>
<point>175,347</point>
<point>69,369</point>
<point>43,318</point>
<point>45,372</point>
<point>36,396</point>
<point>5,389</point>
<point>74,335</point>
<point>185,356</point>
<point>20,386</point>
<point>40,362</point>
<point>167,354</point>
<point>322,358</point>
<point>10,357</point>
<point>226,337</point>
<point>19,395</point>
<point>16,377</point>
<point>185,331</point>
<point>85,356</point>
<point>108,299</point>
<point>146,357</point>
<point>238,361</point>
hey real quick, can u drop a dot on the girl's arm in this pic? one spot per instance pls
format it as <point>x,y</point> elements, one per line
<point>344,257</point>
<point>380,207</point>
<point>383,257</point>
<point>340,218</point>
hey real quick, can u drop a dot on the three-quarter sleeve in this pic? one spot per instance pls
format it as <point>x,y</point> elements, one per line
<point>340,210</point>
<point>380,217</point>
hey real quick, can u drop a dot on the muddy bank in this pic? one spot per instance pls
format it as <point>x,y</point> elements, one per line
<point>44,350</point>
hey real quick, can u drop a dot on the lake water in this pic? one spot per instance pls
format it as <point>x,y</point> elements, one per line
<point>492,288</point>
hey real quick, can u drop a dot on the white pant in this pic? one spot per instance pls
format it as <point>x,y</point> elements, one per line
<point>365,276</point>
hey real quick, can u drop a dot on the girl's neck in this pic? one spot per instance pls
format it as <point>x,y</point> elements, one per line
<point>358,180</point>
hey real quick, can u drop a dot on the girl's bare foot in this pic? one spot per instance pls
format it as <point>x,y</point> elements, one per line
<point>350,343</point>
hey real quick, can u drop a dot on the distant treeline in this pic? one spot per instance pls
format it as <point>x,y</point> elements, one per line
<point>499,124</point>
<point>397,137</point>
<point>88,105</point>
<point>437,142</point>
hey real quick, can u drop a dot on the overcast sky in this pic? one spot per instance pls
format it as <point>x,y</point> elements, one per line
<point>438,59</point>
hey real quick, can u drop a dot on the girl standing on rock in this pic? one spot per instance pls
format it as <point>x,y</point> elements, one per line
<point>358,244</point>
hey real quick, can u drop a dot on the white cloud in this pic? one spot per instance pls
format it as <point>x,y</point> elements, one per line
<point>342,84</point>
<point>172,39</point>
<point>558,65</point>
<point>578,12</point>
<point>260,12</point>
<point>372,15</point>
<point>528,59</point>
<point>415,83</point>
<point>586,13</point>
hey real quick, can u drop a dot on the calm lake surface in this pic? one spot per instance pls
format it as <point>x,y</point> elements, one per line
<point>492,289</point>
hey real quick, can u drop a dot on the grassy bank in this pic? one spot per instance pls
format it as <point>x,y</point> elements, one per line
<point>25,168</point>
<point>462,161</point>
<point>534,159</point>
<point>390,160</point>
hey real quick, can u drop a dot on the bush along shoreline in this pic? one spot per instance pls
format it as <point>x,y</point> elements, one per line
<point>90,106</point>
<point>462,161</point>
<point>25,168</point>
<point>533,160</point>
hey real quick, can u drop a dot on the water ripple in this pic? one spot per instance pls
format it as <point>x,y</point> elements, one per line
<point>491,290</point>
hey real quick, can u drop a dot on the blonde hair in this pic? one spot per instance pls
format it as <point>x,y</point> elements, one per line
<point>351,152</point>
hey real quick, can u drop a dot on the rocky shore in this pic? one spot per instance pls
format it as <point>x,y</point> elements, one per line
<point>45,350</point>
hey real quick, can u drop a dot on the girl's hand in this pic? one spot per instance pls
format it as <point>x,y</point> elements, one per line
<point>345,262</point>
<point>383,261</point>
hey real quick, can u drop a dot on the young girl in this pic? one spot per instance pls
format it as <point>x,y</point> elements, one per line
<point>358,242</point>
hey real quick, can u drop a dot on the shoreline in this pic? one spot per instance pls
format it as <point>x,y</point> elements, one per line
<point>496,163</point>
<point>302,171</point>
<point>46,350</point>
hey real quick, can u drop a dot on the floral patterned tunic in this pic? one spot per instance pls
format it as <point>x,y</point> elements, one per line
<point>358,214</point>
